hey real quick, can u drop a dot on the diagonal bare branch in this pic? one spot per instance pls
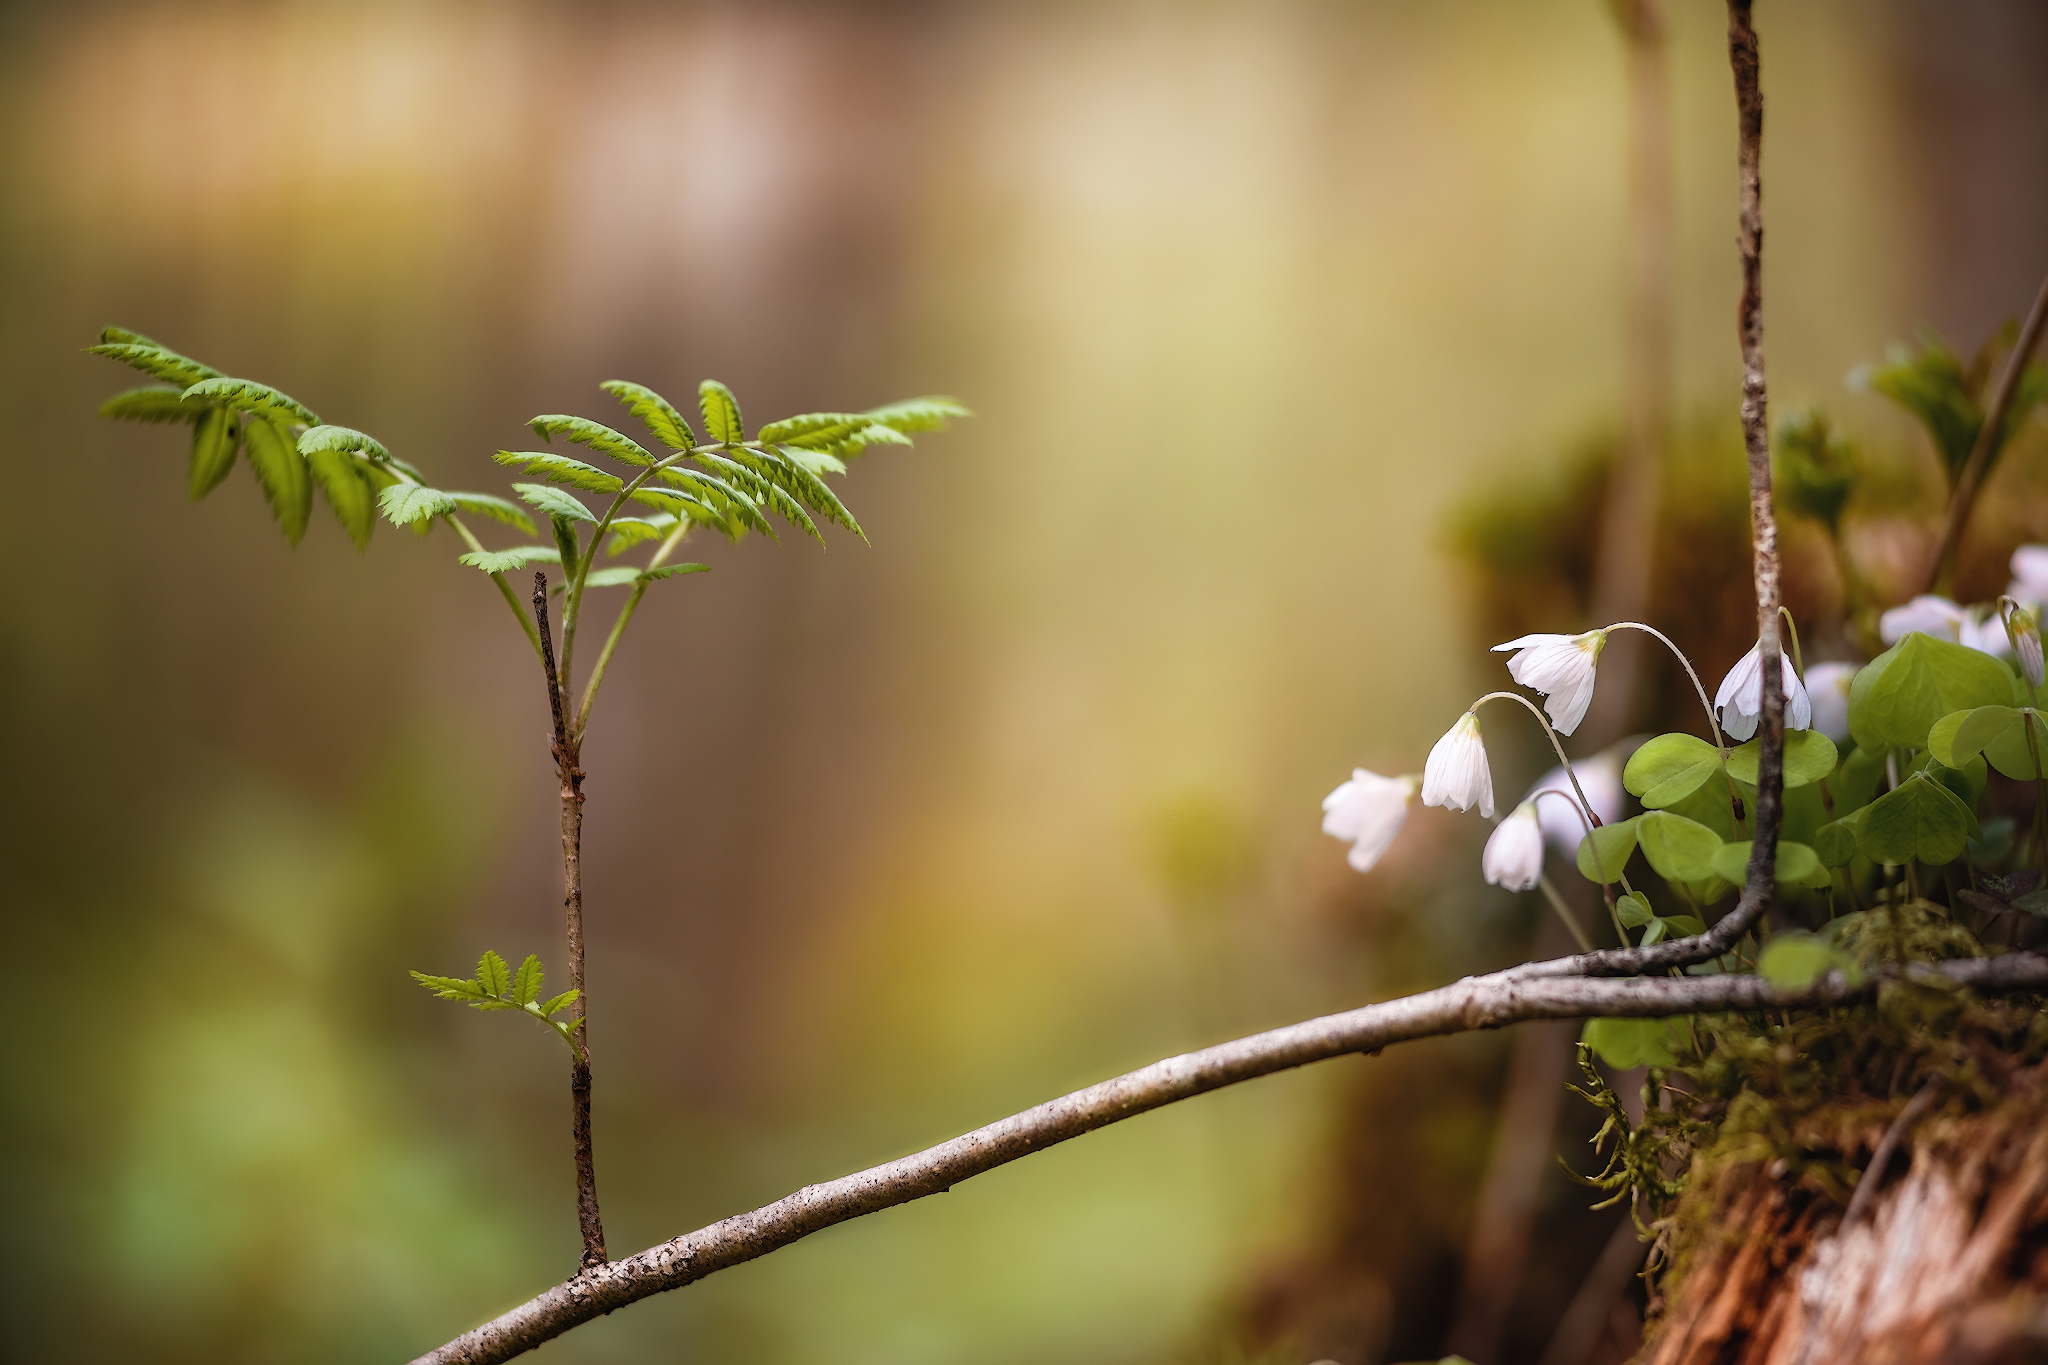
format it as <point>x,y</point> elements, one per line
<point>1474,1003</point>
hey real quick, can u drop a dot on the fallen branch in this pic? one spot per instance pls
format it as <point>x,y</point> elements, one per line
<point>1481,1002</point>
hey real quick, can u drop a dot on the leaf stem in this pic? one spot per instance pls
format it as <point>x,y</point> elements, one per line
<point>604,657</point>
<point>511,598</point>
<point>1556,899</point>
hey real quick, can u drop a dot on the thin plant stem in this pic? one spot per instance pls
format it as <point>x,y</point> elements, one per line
<point>566,756</point>
<point>1798,659</point>
<point>1551,734</point>
<point>1713,724</point>
<point>604,657</point>
<point>1972,477</point>
<point>1556,899</point>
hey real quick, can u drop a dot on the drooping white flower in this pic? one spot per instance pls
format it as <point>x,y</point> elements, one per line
<point>1456,776</point>
<point>1827,685</point>
<point>1928,614</point>
<point>1368,811</point>
<point>1561,667</point>
<point>1740,702</point>
<point>1514,855</point>
<point>2030,575</point>
<point>2026,633</point>
<point>1600,775</point>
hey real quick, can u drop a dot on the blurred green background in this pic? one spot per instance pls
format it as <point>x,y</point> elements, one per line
<point>882,843</point>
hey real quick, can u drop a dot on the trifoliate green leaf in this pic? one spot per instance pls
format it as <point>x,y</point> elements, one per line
<point>154,403</point>
<point>1634,910</point>
<point>1796,865</point>
<point>1605,852</point>
<point>1898,696</point>
<point>1838,842</point>
<point>1679,849</point>
<point>344,439</point>
<point>214,442</point>
<point>1999,733</point>
<point>553,501</point>
<point>1625,1044</point>
<point>250,396</point>
<point>1669,768</point>
<point>406,503</point>
<point>562,469</point>
<point>721,413</point>
<point>660,416</point>
<point>156,361</point>
<point>281,471</point>
<point>1809,757</point>
<point>595,435</point>
<point>497,509</point>
<point>1797,959</point>
<point>1919,819</point>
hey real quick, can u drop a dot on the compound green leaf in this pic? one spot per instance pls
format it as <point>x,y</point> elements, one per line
<point>553,501</point>
<point>671,570</point>
<point>406,503</point>
<point>155,403</point>
<point>1855,781</point>
<point>158,362</point>
<point>214,442</point>
<point>2009,752</point>
<point>282,473</point>
<point>561,1002</point>
<point>250,396</point>
<point>721,413</point>
<point>930,413</point>
<point>496,508</point>
<point>341,479</point>
<point>657,414</point>
<point>812,462</point>
<point>492,974</point>
<point>1669,768</point>
<point>449,987</point>
<point>1809,757</point>
<point>595,435</point>
<point>505,561</point>
<point>818,430</point>
<point>1919,819</point>
<point>1797,865</point>
<point>609,578</point>
<point>561,469</point>
<point>346,440</point>
<point>1679,849</point>
<point>630,531</point>
<point>1633,910</point>
<point>526,984</point>
<point>1899,696</point>
<point>1605,852</point>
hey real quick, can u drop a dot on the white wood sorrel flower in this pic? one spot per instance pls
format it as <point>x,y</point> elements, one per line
<point>1827,686</point>
<point>1368,811</point>
<point>1741,698</point>
<point>1456,776</point>
<point>1560,667</point>
<point>1514,855</point>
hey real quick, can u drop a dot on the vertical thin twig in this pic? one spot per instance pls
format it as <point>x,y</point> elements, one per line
<point>1756,439</point>
<point>565,751</point>
<point>1942,571</point>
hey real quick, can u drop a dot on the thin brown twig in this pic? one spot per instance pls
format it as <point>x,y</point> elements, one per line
<point>1474,1003</point>
<point>1744,61</point>
<point>1942,570</point>
<point>566,757</point>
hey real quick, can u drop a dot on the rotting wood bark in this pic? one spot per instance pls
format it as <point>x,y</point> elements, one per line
<point>1950,1265</point>
<point>566,755</point>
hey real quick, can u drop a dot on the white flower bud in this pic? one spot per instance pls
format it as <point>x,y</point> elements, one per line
<point>1456,776</point>
<point>1561,667</point>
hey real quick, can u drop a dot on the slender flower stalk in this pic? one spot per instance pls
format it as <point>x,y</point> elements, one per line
<point>1713,725</point>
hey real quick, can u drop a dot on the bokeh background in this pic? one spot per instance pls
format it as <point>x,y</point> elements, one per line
<point>883,843</point>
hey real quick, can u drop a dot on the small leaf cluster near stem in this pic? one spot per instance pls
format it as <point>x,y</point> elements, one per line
<point>494,987</point>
